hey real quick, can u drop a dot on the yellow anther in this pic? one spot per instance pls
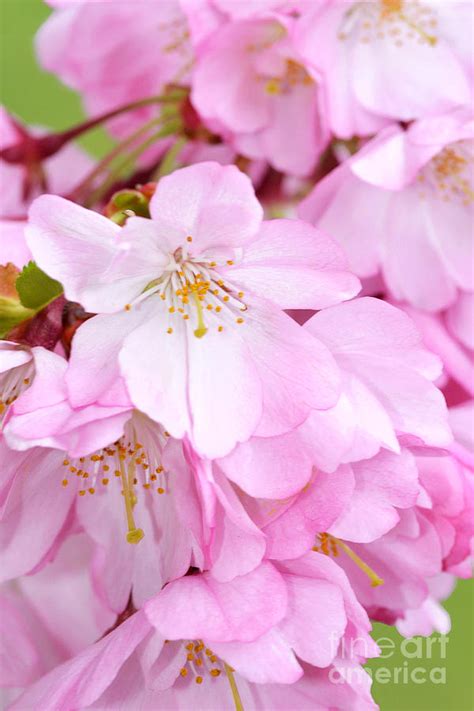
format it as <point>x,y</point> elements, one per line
<point>169,330</point>
<point>220,328</point>
<point>82,492</point>
<point>189,238</point>
<point>105,481</point>
<point>91,490</point>
<point>160,490</point>
<point>239,320</point>
<point>199,680</point>
<point>272,86</point>
<point>128,307</point>
<point>65,482</point>
<point>215,672</point>
<point>183,672</point>
<point>135,536</point>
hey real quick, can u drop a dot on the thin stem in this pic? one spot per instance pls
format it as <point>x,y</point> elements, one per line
<point>168,162</point>
<point>234,689</point>
<point>46,146</point>
<point>167,130</point>
<point>114,153</point>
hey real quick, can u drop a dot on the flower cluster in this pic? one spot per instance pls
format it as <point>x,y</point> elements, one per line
<point>236,367</point>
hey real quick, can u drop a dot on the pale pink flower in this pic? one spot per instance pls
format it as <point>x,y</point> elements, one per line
<point>122,66</point>
<point>250,85</point>
<point>406,192</point>
<point>134,484</point>
<point>201,284</point>
<point>387,394</point>
<point>133,665</point>
<point>366,53</point>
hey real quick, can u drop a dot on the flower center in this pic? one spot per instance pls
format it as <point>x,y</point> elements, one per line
<point>201,661</point>
<point>395,20</point>
<point>12,384</point>
<point>450,174</point>
<point>195,293</point>
<point>329,545</point>
<point>295,75</point>
<point>134,463</point>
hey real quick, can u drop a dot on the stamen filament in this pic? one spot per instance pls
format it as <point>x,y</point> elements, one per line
<point>201,330</point>
<point>134,534</point>
<point>375,579</point>
<point>234,689</point>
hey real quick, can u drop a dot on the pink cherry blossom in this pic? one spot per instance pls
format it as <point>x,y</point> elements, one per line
<point>387,393</point>
<point>366,54</point>
<point>202,284</point>
<point>269,91</point>
<point>124,66</point>
<point>132,665</point>
<point>117,460</point>
<point>424,195</point>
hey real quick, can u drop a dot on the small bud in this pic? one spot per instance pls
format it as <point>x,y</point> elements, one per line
<point>126,203</point>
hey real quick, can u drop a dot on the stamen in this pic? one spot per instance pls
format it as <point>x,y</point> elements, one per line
<point>201,330</point>
<point>329,544</point>
<point>134,534</point>
<point>233,686</point>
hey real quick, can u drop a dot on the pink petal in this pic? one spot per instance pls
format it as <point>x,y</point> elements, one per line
<point>292,532</point>
<point>35,492</point>
<point>269,467</point>
<point>220,207</point>
<point>266,660</point>
<point>382,348</point>
<point>297,373</point>
<point>198,606</point>
<point>295,266</point>
<point>77,247</point>
<point>315,620</point>
<point>382,484</point>
<point>81,681</point>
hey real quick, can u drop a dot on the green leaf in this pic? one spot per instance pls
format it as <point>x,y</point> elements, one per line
<point>11,315</point>
<point>35,288</point>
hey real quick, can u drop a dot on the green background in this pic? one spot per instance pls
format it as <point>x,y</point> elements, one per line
<point>38,98</point>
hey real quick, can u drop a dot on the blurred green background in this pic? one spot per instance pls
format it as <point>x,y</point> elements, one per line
<point>38,98</point>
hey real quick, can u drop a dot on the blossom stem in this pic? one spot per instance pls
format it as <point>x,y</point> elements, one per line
<point>234,689</point>
<point>46,146</point>
<point>167,129</point>
<point>114,153</point>
<point>168,162</point>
